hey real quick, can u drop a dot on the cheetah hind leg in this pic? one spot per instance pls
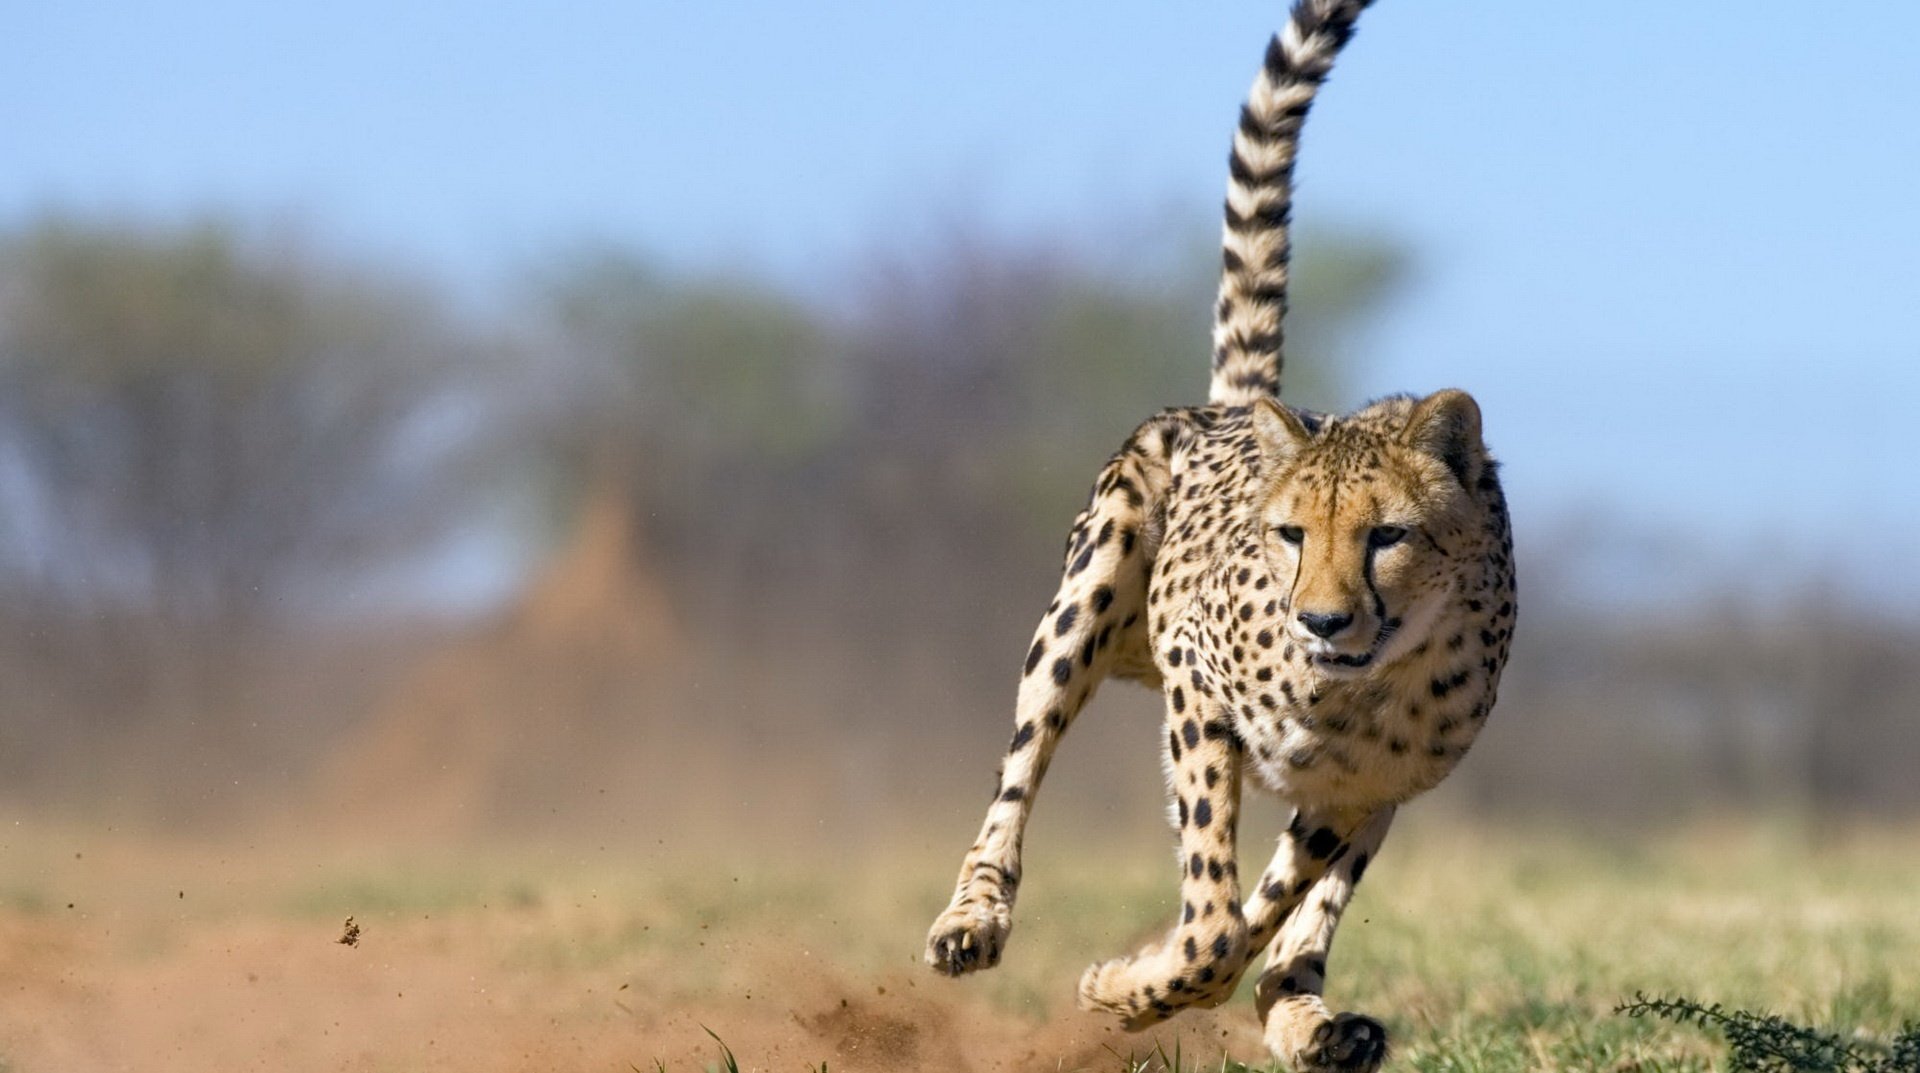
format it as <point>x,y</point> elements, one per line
<point>1094,627</point>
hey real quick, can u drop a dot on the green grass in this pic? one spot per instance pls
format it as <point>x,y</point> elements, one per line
<point>372,892</point>
<point>24,899</point>
<point>1486,951</point>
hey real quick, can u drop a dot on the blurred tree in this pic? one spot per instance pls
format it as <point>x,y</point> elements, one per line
<point>919,446</point>
<point>201,438</point>
<point>716,401</point>
<point>1016,370</point>
<point>711,365</point>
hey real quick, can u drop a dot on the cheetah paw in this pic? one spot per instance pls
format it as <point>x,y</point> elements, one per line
<point>1348,1043</point>
<point>1110,987</point>
<point>967,938</point>
<point>1164,978</point>
<point>1148,988</point>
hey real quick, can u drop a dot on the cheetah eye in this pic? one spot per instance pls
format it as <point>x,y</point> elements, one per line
<point>1292,534</point>
<point>1386,536</point>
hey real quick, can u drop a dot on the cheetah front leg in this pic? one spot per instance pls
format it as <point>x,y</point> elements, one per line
<point>1095,617</point>
<point>1300,1029</point>
<point>1199,962</point>
<point>1313,843</point>
<point>1316,841</point>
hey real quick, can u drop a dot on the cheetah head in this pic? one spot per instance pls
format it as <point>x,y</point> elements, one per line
<point>1361,518</point>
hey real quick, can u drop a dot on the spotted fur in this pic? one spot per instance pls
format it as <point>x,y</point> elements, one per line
<point>1325,604</point>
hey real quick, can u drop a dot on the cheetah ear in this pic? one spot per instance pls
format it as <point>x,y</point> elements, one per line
<point>1280,430</point>
<point>1446,425</point>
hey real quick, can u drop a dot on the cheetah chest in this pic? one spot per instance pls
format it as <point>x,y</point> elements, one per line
<point>1362,741</point>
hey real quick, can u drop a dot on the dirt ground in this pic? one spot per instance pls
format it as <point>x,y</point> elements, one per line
<point>1479,949</point>
<point>163,961</point>
<point>433,995</point>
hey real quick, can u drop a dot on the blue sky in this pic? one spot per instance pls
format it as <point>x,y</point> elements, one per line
<point>1670,248</point>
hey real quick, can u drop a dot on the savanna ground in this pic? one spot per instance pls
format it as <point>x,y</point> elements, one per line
<point>1482,950</point>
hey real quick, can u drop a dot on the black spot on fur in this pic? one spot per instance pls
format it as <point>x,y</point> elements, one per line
<point>1322,843</point>
<point>1080,562</point>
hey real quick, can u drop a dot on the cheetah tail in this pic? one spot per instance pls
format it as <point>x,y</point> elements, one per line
<point>1256,246</point>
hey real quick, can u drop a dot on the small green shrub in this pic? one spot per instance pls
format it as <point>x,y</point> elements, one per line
<point>1769,1043</point>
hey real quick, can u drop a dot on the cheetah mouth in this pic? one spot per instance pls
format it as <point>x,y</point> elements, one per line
<point>1326,659</point>
<point>1339,664</point>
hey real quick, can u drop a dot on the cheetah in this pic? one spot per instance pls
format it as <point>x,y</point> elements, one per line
<point>1325,603</point>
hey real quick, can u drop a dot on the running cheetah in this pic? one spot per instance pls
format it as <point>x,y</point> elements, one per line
<point>1325,602</point>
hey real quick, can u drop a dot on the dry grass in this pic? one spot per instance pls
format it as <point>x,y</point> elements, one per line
<point>1481,950</point>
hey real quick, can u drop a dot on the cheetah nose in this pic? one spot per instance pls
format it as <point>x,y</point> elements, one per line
<point>1324,625</point>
